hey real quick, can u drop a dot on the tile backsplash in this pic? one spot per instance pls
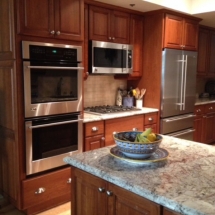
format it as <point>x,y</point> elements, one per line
<point>101,90</point>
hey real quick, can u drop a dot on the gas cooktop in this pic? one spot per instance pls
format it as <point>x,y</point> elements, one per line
<point>107,109</point>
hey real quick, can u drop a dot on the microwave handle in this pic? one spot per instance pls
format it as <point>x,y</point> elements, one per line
<point>56,123</point>
<point>54,67</point>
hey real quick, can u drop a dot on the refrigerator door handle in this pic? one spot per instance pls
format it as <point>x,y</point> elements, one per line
<point>181,133</point>
<point>185,82</point>
<point>179,118</point>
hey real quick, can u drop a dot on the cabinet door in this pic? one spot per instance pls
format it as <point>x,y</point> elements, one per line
<point>190,35</point>
<point>122,124</point>
<point>89,196</point>
<point>202,63</point>
<point>94,142</point>
<point>121,201</point>
<point>136,39</point>
<point>120,27</point>
<point>208,132</point>
<point>99,24</point>
<point>169,212</point>
<point>173,31</point>
<point>198,126</point>
<point>36,17</point>
<point>69,19</point>
<point>211,70</point>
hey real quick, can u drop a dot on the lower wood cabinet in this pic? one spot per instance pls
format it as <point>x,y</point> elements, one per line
<point>39,193</point>
<point>204,123</point>
<point>95,196</point>
<point>169,212</point>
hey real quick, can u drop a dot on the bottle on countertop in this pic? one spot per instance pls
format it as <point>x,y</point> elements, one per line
<point>119,97</point>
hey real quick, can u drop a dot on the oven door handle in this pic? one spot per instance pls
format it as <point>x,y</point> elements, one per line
<point>56,123</point>
<point>54,67</point>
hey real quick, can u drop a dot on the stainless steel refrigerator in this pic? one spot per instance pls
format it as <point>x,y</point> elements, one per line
<point>178,93</point>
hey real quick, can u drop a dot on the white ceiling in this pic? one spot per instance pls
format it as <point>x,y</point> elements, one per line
<point>204,9</point>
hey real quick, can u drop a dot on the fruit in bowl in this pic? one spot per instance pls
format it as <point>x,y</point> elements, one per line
<point>137,144</point>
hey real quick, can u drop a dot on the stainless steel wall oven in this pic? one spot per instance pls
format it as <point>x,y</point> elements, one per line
<point>53,103</point>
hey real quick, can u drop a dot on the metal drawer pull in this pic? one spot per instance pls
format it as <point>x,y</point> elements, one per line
<point>109,193</point>
<point>211,108</point>
<point>58,32</point>
<point>52,32</point>
<point>95,128</point>
<point>40,190</point>
<point>150,119</point>
<point>134,129</point>
<point>101,189</point>
<point>69,181</point>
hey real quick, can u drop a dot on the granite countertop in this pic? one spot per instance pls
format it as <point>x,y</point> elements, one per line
<point>184,182</point>
<point>88,117</point>
<point>203,101</point>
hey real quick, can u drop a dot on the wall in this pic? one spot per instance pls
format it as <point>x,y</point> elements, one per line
<point>101,90</point>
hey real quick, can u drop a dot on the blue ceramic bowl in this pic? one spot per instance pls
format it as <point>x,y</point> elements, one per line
<point>125,143</point>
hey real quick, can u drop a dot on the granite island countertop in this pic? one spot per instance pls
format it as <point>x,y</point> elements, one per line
<point>88,117</point>
<point>185,182</point>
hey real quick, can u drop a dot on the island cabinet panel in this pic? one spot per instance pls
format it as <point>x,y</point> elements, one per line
<point>95,196</point>
<point>180,33</point>
<point>121,201</point>
<point>169,212</point>
<point>60,19</point>
<point>130,123</point>
<point>94,135</point>
<point>108,25</point>
<point>41,189</point>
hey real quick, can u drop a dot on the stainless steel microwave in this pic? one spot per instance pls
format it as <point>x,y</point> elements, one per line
<point>110,58</point>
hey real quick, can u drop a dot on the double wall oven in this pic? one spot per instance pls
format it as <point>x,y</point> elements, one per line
<point>53,75</point>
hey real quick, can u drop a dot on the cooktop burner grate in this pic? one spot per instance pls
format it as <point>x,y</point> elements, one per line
<point>106,109</point>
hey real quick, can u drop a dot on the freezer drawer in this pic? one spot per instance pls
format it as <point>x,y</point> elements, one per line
<point>185,134</point>
<point>174,124</point>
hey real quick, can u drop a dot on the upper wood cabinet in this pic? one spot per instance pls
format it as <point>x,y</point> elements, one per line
<point>60,19</point>
<point>206,52</point>
<point>180,33</point>
<point>108,25</point>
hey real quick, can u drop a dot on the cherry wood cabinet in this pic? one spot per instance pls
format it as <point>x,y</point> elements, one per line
<point>130,123</point>
<point>180,33</point>
<point>150,121</point>
<point>169,212</point>
<point>108,25</point>
<point>55,185</point>
<point>93,195</point>
<point>206,52</point>
<point>204,123</point>
<point>60,19</point>
<point>94,135</point>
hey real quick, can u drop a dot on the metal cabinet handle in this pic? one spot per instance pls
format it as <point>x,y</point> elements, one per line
<point>69,181</point>
<point>134,129</point>
<point>109,38</point>
<point>40,190</point>
<point>102,138</point>
<point>210,108</point>
<point>150,119</point>
<point>58,32</point>
<point>101,189</point>
<point>113,38</point>
<point>52,32</point>
<point>95,128</point>
<point>109,193</point>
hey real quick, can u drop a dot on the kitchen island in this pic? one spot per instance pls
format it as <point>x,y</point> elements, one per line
<point>184,182</point>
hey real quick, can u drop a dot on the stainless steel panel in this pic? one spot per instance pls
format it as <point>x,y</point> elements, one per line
<point>173,124</point>
<point>26,44</point>
<point>50,108</point>
<point>178,82</point>
<point>185,134</point>
<point>50,162</point>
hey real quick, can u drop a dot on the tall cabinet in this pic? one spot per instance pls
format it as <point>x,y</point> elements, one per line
<point>31,21</point>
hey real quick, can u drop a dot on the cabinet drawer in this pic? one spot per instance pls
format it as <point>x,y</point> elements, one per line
<point>94,128</point>
<point>210,108</point>
<point>199,109</point>
<point>150,118</point>
<point>43,188</point>
<point>152,126</point>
